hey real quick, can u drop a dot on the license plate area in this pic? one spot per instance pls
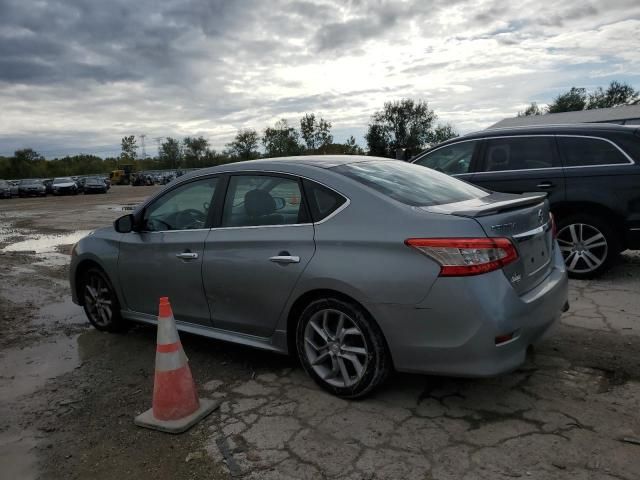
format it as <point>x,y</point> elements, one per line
<point>535,252</point>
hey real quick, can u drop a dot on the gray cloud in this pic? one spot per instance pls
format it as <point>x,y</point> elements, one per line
<point>83,73</point>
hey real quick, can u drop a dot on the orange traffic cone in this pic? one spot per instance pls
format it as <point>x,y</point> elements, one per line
<point>176,406</point>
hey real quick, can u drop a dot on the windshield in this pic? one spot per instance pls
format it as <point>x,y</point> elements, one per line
<point>410,184</point>
<point>29,181</point>
<point>4,183</point>
<point>94,180</point>
<point>62,180</point>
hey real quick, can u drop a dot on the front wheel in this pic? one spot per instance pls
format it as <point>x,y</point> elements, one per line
<point>589,245</point>
<point>342,348</point>
<point>100,302</point>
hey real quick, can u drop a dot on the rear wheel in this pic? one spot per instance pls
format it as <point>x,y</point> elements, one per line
<point>100,302</point>
<point>589,244</point>
<point>342,348</point>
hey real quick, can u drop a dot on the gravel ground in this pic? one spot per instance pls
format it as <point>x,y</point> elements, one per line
<point>68,394</point>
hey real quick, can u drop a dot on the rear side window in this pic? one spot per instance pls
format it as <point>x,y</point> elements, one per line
<point>518,153</point>
<point>409,183</point>
<point>452,159</point>
<point>322,201</point>
<point>585,152</point>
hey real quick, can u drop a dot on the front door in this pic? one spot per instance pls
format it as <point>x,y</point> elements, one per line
<point>165,257</point>
<point>254,260</point>
<point>520,164</point>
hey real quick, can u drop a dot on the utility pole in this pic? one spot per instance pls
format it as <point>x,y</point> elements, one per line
<point>144,151</point>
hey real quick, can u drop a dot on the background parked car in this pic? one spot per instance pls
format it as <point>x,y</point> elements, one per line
<point>48,185</point>
<point>15,187</point>
<point>590,172</point>
<point>94,185</point>
<point>31,187</point>
<point>5,189</point>
<point>64,186</point>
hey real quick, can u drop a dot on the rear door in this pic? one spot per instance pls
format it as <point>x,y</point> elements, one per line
<point>517,164</point>
<point>254,259</point>
<point>455,159</point>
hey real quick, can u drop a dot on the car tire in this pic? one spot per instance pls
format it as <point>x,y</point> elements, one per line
<point>588,243</point>
<point>347,365</point>
<point>106,317</point>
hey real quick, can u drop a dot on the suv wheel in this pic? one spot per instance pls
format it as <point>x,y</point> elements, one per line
<point>100,302</point>
<point>589,245</point>
<point>342,348</point>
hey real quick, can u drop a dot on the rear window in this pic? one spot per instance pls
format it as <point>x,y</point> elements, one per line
<point>582,152</point>
<point>518,153</point>
<point>410,184</point>
<point>322,201</point>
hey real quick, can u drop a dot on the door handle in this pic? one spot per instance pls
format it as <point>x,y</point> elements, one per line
<point>284,259</point>
<point>187,255</point>
<point>545,185</point>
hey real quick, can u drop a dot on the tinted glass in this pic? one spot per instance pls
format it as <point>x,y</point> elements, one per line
<point>260,200</point>
<point>409,183</point>
<point>183,208</point>
<point>452,159</point>
<point>322,200</point>
<point>518,153</point>
<point>580,152</point>
<point>62,180</point>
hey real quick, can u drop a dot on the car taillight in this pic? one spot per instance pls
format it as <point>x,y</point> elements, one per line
<point>466,256</point>
<point>554,227</point>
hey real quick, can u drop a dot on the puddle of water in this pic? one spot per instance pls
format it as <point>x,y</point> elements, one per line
<point>127,207</point>
<point>45,243</point>
<point>52,259</point>
<point>23,371</point>
<point>65,312</point>
<point>17,455</point>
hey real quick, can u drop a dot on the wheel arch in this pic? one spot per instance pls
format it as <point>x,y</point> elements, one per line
<point>306,298</point>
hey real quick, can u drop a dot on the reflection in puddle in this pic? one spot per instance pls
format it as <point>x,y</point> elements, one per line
<point>45,243</point>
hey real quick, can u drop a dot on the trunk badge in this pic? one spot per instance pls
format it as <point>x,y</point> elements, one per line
<point>515,278</point>
<point>540,216</point>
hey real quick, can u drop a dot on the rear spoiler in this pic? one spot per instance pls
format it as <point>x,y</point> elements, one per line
<point>489,205</point>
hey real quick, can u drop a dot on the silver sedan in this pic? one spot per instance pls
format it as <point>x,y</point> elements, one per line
<point>359,265</point>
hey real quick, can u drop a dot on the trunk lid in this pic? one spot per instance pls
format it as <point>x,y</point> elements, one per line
<point>525,220</point>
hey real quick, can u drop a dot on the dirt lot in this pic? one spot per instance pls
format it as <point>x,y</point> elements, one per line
<point>68,394</point>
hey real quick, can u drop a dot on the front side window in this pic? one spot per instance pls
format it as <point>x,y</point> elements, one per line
<point>410,184</point>
<point>583,152</point>
<point>518,153</point>
<point>452,159</point>
<point>183,208</point>
<point>260,200</point>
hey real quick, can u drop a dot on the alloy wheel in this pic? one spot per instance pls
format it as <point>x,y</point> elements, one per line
<point>336,348</point>
<point>98,300</point>
<point>584,247</point>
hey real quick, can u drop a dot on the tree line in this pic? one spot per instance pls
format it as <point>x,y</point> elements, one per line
<point>399,130</point>
<point>578,98</point>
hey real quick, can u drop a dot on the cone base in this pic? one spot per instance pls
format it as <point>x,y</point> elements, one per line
<point>147,420</point>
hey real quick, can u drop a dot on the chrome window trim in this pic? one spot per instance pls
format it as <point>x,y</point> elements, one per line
<point>242,172</point>
<point>630,161</point>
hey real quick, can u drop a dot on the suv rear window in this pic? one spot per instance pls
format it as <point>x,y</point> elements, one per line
<point>518,153</point>
<point>410,184</point>
<point>583,152</point>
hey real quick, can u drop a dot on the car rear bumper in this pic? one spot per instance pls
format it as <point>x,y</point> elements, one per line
<point>453,331</point>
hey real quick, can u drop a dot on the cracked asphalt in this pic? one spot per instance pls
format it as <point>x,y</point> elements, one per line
<point>68,394</point>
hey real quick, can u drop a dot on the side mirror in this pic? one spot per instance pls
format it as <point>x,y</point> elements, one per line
<point>280,202</point>
<point>124,224</point>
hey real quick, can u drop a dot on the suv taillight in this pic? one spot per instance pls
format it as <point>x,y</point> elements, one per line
<point>466,256</point>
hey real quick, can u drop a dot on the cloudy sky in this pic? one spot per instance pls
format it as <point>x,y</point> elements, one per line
<point>77,75</point>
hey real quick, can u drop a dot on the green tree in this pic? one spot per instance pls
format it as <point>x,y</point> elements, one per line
<point>129,149</point>
<point>401,125</point>
<point>442,132</point>
<point>195,151</point>
<point>316,133</point>
<point>245,145</point>
<point>351,147</point>
<point>615,95</point>
<point>170,154</point>
<point>26,163</point>
<point>571,101</point>
<point>532,109</point>
<point>281,140</point>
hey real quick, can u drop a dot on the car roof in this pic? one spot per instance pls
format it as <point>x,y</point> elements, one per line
<point>566,129</point>
<point>294,165</point>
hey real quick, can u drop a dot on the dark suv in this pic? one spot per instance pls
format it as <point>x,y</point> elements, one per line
<point>590,172</point>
